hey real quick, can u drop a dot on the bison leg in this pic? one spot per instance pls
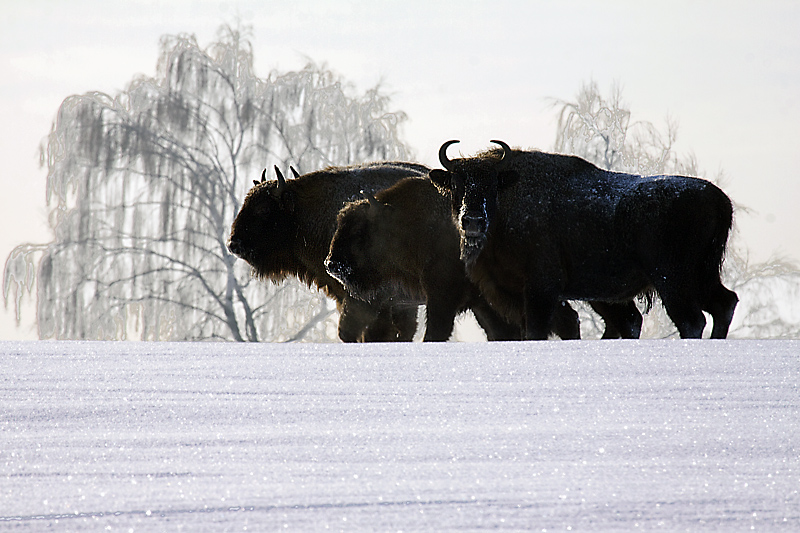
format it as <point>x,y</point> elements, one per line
<point>622,320</point>
<point>495,327</point>
<point>392,324</point>
<point>539,308</point>
<point>404,319</point>
<point>720,305</point>
<point>690,324</point>
<point>382,328</point>
<point>684,311</point>
<point>565,322</point>
<point>354,316</point>
<point>439,320</point>
<point>362,322</point>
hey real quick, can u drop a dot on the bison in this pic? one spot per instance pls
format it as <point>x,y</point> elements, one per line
<point>555,227</point>
<point>401,245</point>
<point>284,228</point>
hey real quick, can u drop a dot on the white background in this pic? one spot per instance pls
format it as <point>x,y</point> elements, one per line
<point>475,71</point>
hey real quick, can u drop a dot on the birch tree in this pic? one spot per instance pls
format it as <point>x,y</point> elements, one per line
<point>142,188</point>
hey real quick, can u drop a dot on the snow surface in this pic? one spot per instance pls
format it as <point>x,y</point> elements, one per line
<point>546,436</point>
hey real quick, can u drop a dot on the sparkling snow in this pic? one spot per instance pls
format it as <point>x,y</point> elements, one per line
<point>548,436</point>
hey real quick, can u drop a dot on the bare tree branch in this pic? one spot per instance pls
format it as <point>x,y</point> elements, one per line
<point>142,188</point>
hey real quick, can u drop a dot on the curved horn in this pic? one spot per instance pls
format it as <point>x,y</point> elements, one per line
<point>281,180</point>
<point>446,163</point>
<point>296,174</point>
<point>506,159</point>
<point>263,177</point>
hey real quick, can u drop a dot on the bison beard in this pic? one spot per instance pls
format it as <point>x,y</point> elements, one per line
<point>284,228</point>
<point>472,240</point>
<point>557,227</point>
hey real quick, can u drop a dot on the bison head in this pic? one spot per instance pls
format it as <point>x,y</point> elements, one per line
<point>473,185</point>
<point>261,232</point>
<point>356,253</point>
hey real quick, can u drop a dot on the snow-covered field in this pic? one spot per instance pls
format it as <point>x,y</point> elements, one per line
<point>584,435</point>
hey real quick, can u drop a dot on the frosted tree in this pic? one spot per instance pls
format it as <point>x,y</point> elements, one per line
<point>769,296</point>
<point>601,131</point>
<point>142,188</point>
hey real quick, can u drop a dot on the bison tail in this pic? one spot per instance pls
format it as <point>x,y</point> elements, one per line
<point>647,297</point>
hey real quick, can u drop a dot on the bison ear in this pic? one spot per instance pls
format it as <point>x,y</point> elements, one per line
<point>441,178</point>
<point>506,178</point>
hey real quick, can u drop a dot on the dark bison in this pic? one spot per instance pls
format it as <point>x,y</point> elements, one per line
<point>285,227</point>
<point>401,245</point>
<point>555,227</point>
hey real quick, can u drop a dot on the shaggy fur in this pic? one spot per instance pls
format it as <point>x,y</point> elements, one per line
<point>556,227</point>
<point>285,229</point>
<point>402,245</point>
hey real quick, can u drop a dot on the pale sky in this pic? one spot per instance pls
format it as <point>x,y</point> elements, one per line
<point>727,71</point>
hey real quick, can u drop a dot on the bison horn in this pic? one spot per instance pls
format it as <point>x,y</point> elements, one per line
<point>281,180</point>
<point>263,178</point>
<point>294,172</point>
<point>506,159</point>
<point>446,163</point>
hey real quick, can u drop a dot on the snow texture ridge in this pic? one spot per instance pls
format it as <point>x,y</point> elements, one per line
<point>585,435</point>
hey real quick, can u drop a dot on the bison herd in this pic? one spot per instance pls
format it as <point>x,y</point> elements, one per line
<point>511,235</point>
